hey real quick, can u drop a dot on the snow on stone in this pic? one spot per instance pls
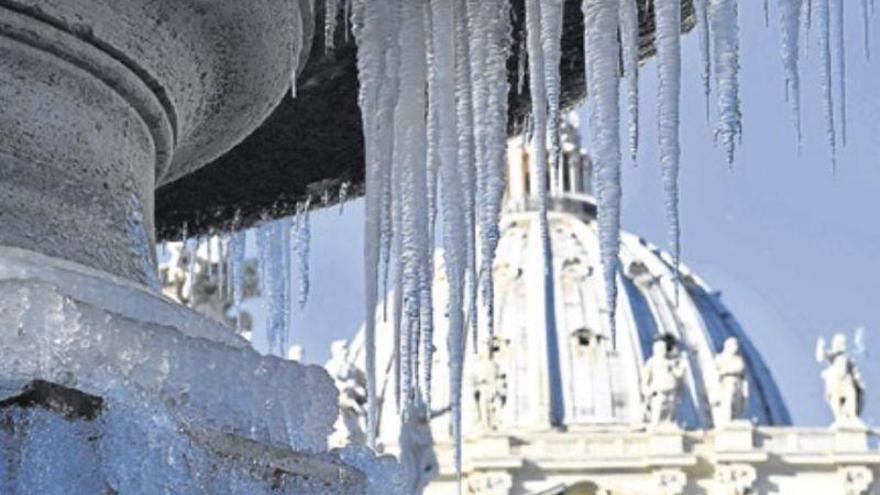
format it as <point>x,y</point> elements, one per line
<point>600,21</point>
<point>724,16</point>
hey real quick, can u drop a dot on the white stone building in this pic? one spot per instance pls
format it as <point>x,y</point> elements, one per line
<point>604,444</point>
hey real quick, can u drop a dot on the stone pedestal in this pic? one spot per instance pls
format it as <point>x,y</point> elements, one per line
<point>738,436</point>
<point>666,440</point>
<point>107,387</point>
<point>851,437</point>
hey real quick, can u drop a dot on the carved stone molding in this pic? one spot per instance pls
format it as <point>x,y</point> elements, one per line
<point>489,483</point>
<point>735,479</point>
<point>857,480</point>
<point>670,481</point>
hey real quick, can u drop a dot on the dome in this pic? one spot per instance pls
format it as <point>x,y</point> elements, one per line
<point>598,383</point>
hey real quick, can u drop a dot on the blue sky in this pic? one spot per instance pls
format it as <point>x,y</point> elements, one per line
<point>793,249</point>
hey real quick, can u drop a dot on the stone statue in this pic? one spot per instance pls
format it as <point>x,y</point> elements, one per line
<point>844,389</point>
<point>662,382</point>
<point>731,392</point>
<point>351,383</point>
<point>489,386</point>
<point>417,447</point>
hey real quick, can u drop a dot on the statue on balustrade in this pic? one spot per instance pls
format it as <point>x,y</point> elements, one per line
<point>352,385</point>
<point>731,392</point>
<point>844,389</point>
<point>662,379</point>
<point>489,383</point>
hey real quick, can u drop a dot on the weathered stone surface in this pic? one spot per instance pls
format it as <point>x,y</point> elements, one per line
<point>314,142</point>
<point>102,101</point>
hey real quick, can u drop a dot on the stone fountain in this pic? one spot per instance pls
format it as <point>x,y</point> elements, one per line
<point>105,386</point>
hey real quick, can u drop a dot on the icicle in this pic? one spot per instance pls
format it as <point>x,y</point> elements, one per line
<point>703,27</point>
<point>498,32</point>
<point>192,253</point>
<point>370,33</point>
<point>823,28</point>
<point>343,196</point>
<point>521,68</point>
<point>239,243</point>
<point>410,155</point>
<point>789,23</point>
<point>668,21</point>
<point>442,104</point>
<point>463,266</point>
<point>629,39</point>
<point>302,236</point>
<point>466,114</point>
<point>839,47</point>
<point>766,13</point>
<point>331,8</point>
<point>539,152</point>
<point>601,63</point>
<point>270,237</point>
<point>725,32</point>
<point>551,40</point>
<point>867,28</point>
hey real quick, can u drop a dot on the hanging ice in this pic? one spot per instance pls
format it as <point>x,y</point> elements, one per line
<point>370,32</point>
<point>539,152</point>
<point>701,11</point>
<point>331,8</point>
<point>343,196</point>
<point>668,21</point>
<point>866,26</point>
<point>497,88</point>
<point>551,41</point>
<point>823,21</point>
<point>601,62</point>
<point>839,57</point>
<point>271,256</point>
<point>789,24</point>
<point>302,238</point>
<point>410,157</point>
<point>239,242</point>
<point>629,39</point>
<point>725,43</point>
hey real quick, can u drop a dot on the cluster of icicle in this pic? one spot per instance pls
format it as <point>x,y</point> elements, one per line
<point>441,149</point>
<point>433,95</point>
<point>283,260</point>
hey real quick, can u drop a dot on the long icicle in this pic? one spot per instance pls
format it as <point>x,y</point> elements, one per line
<point>465,112</point>
<point>838,44</point>
<point>823,32</point>
<point>601,62</point>
<point>538,95</point>
<point>725,37</point>
<point>668,21</point>
<point>478,17</point>
<point>466,173</point>
<point>498,52</point>
<point>629,40</point>
<point>866,26</point>
<point>789,24</point>
<point>551,40</point>
<point>369,31</point>
<point>410,155</point>
<point>702,13</point>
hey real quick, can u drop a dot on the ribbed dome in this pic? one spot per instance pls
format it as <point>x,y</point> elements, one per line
<point>599,383</point>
